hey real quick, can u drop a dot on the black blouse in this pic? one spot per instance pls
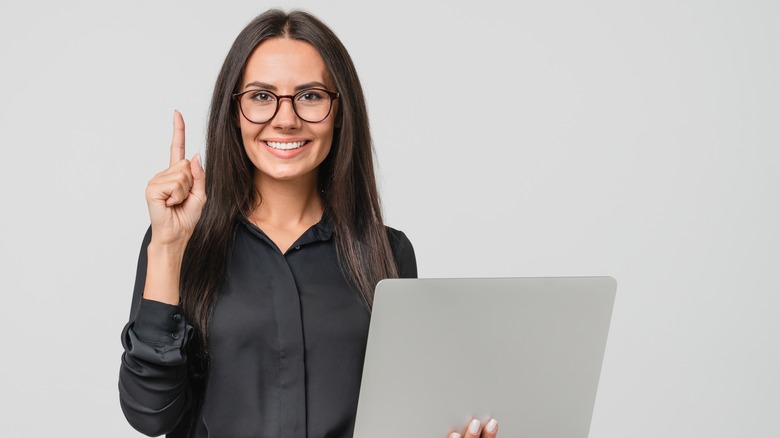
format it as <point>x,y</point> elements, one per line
<point>287,340</point>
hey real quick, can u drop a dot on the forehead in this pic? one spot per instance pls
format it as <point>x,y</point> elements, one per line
<point>285,63</point>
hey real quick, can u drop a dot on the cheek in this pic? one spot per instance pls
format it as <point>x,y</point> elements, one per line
<point>327,142</point>
<point>328,131</point>
<point>249,131</point>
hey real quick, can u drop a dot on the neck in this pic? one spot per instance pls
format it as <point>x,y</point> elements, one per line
<point>287,204</point>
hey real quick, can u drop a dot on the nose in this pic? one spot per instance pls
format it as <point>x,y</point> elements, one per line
<point>285,117</point>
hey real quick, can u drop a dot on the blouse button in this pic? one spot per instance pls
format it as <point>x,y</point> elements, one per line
<point>298,247</point>
<point>175,335</point>
<point>176,317</point>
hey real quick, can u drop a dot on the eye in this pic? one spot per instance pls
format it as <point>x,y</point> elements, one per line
<point>261,96</point>
<point>312,96</point>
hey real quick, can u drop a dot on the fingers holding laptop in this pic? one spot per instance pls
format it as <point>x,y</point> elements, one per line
<point>475,430</point>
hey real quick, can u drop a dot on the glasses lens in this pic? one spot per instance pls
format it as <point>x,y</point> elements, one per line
<point>312,105</point>
<point>258,106</point>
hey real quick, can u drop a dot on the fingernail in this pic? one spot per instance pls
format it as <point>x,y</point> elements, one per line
<point>197,158</point>
<point>491,426</point>
<point>474,426</point>
<point>455,435</point>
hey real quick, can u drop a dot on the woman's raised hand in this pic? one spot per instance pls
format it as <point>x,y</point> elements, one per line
<point>475,430</point>
<point>176,195</point>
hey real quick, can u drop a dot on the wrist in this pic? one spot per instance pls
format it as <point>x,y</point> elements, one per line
<point>166,250</point>
<point>162,272</point>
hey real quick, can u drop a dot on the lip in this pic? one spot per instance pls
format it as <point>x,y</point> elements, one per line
<point>286,153</point>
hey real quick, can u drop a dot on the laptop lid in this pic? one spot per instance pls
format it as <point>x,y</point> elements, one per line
<point>526,351</point>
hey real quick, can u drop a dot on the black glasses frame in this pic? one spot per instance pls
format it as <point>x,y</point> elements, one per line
<point>333,96</point>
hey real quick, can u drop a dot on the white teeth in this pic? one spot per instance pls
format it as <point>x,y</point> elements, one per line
<point>285,146</point>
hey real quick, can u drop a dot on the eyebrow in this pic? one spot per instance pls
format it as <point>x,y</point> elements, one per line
<point>270,87</point>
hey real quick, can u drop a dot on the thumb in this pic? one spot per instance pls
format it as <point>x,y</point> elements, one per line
<point>198,176</point>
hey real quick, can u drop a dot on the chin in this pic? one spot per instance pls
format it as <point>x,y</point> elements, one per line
<point>287,174</point>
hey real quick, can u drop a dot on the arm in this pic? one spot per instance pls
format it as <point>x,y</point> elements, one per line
<point>154,388</point>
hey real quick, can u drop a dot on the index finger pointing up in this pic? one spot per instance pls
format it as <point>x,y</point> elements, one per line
<point>177,145</point>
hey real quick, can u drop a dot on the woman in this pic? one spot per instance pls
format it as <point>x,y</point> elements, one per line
<point>250,311</point>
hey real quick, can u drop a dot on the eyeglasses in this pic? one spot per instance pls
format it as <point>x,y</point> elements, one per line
<point>311,105</point>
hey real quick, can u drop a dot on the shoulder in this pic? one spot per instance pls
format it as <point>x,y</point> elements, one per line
<point>398,239</point>
<point>403,253</point>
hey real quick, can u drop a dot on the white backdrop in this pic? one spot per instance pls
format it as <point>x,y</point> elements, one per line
<point>638,139</point>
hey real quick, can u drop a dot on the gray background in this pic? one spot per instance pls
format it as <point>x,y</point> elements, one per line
<point>638,139</point>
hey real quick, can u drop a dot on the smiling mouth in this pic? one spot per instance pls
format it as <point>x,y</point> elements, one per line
<point>285,146</point>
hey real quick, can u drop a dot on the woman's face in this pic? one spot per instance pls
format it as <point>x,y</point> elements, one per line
<point>286,148</point>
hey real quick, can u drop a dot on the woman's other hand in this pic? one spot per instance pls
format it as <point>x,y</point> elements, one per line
<point>176,195</point>
<point>475,430</point>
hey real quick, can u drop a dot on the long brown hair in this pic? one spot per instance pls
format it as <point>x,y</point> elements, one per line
<point>346,177</point>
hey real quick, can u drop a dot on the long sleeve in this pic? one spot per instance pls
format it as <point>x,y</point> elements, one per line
<point>154,389</point>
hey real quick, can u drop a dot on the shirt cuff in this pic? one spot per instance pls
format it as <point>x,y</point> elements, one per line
<point>159,323</point>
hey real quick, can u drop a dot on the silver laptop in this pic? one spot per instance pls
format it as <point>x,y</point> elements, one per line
<point>526,351</point>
